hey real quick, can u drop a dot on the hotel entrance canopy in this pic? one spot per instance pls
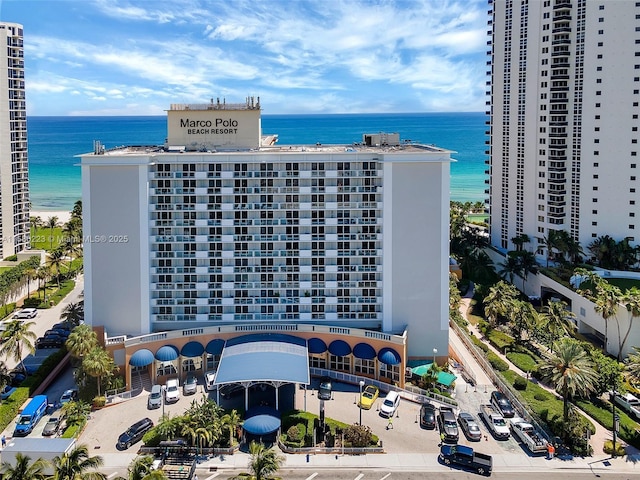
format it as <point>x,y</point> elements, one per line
<point>264,357</point>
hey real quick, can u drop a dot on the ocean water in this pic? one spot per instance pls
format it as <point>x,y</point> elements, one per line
<point>55,142</point>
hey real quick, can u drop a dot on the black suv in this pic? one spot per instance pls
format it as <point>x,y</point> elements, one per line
<point>325,388</point>
<point>502,404</point>
<point>428,416</point>
<point>134,433</point>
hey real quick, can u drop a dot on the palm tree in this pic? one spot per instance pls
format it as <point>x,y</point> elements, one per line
<point>51,223</point>
<point>509,268</point>
<point>5,378</point>
<point>55,260</point>
<point>230,422</point>
<point>75,465</point>
<point>98,363</point>
<point>520,240</point>
<point>81,341</point>
<point>77,209</point>
<point>497,301</point>
<point>631,300</point>
<point>17,335</point>
<point>570,371</point>
<point>263,463</point>
<point>633,364</point>
<point>528,264</point>
<point>42,273</point>
<point>29,274</point>
<point>557,321</point>
<point>73,313</point>
<point>76,413</point>
<point>140,468</point>
<point>522,318</point>
<point>24,469</point>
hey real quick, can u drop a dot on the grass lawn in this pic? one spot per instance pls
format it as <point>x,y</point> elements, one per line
<point>46,239</point>
<point>477,217</point>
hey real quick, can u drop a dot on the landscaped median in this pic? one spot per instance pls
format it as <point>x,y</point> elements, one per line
<point>298,428</point>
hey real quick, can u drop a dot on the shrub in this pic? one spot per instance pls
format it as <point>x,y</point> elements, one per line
<point>152,438</point>
<point>520,383</point>
<point>99,402</point>
<point>608,448</point>
<point>10,406</point>
<point>523,361</point>
<point>500,340</point>
<point>480,344</point>
<point>11,258</point>
<point>541,396</point>
<point>358,435</point>
<point>497,363</point>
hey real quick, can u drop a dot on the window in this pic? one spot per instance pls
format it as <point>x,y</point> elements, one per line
<point>340,363</point>
<point>363,366</point>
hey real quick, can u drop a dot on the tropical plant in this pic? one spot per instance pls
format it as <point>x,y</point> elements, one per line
<point>17,335</point>
<point>140,468</point>
<point>73,313</point>
<point>510,268</point>
<point>230,423</point>
<point>633,364</point>
<point>76,413</point>
<point>556,322</point>
<point>55,260</point>
<point>522,318</point>
<point>24,469</point>
<point>519,241</point>
<point>98,364</point>
<point>264,462</point>
<point>51,223</point>
<point>42,274</point>
<point>631,300</point>
<point>77,465</point>
<point>497,301</point>
<point>570,371</point>
<point>81,341</point>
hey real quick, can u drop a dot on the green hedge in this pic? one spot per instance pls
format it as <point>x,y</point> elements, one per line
<point>480,344</point>
<point>73,430</point>
<point>295,417</point>
<point>499,339</point>
<point>10,407</point>
<point>601,412</point>
<point>152,438</point>
<point>497,363</point>
<point>523,361</point>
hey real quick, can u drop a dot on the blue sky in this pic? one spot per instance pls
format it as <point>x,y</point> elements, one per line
<point>121,57</point>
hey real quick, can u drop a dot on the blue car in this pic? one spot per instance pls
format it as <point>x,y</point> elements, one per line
<point>6,392</point>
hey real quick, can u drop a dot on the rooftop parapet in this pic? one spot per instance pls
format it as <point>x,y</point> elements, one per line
<point>251,103</point>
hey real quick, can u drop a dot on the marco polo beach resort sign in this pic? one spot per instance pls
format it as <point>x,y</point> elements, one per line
<point>217,126</point>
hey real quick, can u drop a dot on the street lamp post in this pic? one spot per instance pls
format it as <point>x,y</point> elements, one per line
<point>435,352</point>
<point>360,401</point>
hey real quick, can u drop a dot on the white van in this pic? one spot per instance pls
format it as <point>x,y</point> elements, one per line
<point>209,379</point>
<point>155,397</point>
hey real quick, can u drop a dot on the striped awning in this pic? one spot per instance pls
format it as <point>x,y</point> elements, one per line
<point>141,358</point>
<point>167,353</point>
<point>389,356</point>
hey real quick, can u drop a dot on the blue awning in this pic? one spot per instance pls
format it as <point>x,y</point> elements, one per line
<point>261,421</point>
<point>264,357</point>
<point>340,348</point>
<point>141,358</point>
<point>316,345</point>
<point>389,356</point>
<point>215,346</point>
<point>192,349</point>
<point>365,351</point>
<point>167,353</point>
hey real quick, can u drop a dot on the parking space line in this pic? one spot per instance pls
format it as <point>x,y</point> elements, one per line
<point>359,476</point>
<point>386,476</point>
<point>211,477</point>
<point>312,476</point>
<point>111,475</point>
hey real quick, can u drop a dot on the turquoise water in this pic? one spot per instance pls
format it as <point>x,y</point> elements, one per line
<point>54,142</point>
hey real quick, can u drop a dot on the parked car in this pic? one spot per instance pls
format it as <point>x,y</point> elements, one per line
<point>63,326</point>
<point>469,426</point>
<point>68,396</point>
<point>390,404</point>
<point>172,390</point>
<point>17,377</point>
<point>325,388</point>
<point>628,402</point>
<point>428,416</point>
<point>369,396</point>
<point>447,425</point>
<point>501,403</point>
<point>155,397</point>
<point>6,392</point>
<point>190,385</point>
<point>209,379</point>
<point>134,433</point>
<point>50,342</point>
<point>52,426</point>
<point>26,313</point>
<point>231,390</point>
<point>59,332</point>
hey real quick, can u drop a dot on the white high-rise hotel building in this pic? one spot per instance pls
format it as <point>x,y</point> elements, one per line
<point>221,226</point>
<point>14,173</point>
<point>564,106</point>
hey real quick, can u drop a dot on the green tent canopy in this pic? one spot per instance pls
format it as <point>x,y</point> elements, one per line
<point>444,378</point>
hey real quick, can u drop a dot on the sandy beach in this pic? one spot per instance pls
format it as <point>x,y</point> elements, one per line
<point>63,216</point>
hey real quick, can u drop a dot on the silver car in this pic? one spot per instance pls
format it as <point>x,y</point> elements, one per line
<point>469,426</point>
<point>190,385</point>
